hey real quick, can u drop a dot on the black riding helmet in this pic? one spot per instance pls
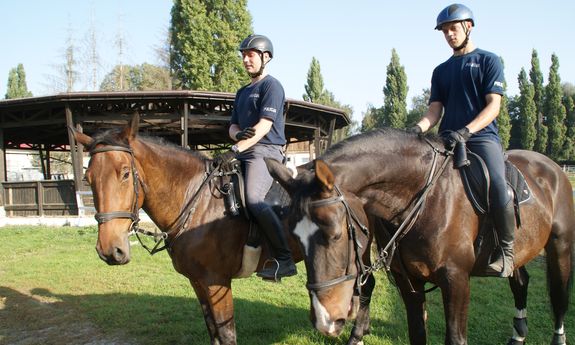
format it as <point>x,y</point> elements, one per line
<point>456,13</point>
<point>261,44</point>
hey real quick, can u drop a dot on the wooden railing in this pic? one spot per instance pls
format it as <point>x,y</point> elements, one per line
<point>39,198</point>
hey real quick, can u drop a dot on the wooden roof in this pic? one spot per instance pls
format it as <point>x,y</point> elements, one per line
<point>40,122</point>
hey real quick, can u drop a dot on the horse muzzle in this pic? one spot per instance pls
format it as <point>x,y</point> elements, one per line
<point>331,323</point>
<point>113,249</point>
<point>117,256</point>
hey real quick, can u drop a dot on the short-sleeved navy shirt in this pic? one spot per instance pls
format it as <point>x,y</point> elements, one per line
<point>264,99</point>
<point>461,84</point>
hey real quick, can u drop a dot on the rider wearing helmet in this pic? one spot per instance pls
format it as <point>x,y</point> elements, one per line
<point>257,126</point>
<point>467,90</point>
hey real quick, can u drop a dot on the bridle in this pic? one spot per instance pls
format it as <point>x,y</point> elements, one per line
<point>385,255</point>
<point>179,225</point>
<point>103,217</point>
<point>353,244</point>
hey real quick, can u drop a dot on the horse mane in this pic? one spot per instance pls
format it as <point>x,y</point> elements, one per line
<point>374,141</point>
<point>114,137</point>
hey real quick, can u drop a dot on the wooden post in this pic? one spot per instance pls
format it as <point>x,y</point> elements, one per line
<point>317,142</point>
<point>184,124</point>
<point>76,150</point>
<point>3,172</point>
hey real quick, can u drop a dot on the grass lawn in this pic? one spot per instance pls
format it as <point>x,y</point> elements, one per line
<point>54,289</point>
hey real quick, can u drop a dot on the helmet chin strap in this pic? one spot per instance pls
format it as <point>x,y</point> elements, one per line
<point>464,44</point>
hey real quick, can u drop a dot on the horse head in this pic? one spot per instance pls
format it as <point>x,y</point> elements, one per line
<point>328,224</point>
<point>113,172</point>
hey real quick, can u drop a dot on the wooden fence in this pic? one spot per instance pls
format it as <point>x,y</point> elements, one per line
<point>40,198</point>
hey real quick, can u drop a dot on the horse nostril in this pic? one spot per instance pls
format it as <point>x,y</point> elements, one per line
<point>119,254</point>
<point>339,323</point>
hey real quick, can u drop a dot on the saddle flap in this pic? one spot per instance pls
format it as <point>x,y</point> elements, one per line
<point>475,178</point>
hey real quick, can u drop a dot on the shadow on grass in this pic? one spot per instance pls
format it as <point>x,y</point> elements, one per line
<point>41,317</point>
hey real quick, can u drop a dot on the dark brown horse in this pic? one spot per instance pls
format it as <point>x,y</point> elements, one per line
<point>389,172</point>
<point>206,244</point>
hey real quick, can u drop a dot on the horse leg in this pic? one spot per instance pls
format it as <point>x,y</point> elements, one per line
<point>413,296</point>
<point>559,270</point>
<point>217,306</point>
<point>455,290</point>
<point>519,284</point>
<point>362,321</point>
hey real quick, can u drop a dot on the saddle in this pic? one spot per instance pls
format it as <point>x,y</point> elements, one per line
<point>233,189</point>
<point>475,178</point>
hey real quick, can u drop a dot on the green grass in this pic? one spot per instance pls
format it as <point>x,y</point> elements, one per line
<point>55,273</point>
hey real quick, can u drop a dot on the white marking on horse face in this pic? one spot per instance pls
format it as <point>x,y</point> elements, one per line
<point>304,229</point>
<point>323,321</point>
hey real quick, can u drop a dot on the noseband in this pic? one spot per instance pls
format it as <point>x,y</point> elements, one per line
<point>353,244</point>
<point>103,217</point>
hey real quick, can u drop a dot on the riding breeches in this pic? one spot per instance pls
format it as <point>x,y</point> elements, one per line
<point>492,154</point>
<point>257,178</point>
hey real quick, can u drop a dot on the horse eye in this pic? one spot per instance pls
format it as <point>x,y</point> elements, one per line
<point>125,174</point>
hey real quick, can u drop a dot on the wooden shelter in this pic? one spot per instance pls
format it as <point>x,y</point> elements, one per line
<point>194,119</point>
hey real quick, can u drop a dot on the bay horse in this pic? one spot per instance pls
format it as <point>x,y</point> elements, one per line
<point>394,177</point>
<point>127,172</point>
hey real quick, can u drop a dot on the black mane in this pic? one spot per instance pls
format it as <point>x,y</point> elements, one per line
<point>388,139</point>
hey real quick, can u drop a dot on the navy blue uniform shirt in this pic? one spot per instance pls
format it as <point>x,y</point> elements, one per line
<point>461,84</point>
<point>264,99</point>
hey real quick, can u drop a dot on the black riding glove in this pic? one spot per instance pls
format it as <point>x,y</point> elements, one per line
<point>415,130</point>
<point>246,133</point>
<point>451,138</point>
<point>224,158</point>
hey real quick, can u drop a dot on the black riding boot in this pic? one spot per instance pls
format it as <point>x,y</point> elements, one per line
<point>504,221</point>
<point>283,265</point>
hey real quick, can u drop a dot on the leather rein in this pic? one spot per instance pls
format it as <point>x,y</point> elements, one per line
<point>386,254</point>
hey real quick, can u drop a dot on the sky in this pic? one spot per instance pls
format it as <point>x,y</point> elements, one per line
<point>352,40</point>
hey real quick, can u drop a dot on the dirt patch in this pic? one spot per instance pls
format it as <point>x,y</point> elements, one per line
<point>30,319</point>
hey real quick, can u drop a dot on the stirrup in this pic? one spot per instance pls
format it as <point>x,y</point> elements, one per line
<point>275,277</point>
<point>282,269</point>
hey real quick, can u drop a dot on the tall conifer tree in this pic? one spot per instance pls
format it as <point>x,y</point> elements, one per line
<point>536,78</point>
<point>555,111</point>
<point>503,120</point>
<point>205,36</point>
<point>527,112</point>
<point>17,87</point>
<point>395,94</point>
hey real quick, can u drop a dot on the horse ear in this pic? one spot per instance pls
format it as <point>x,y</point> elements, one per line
<point>324,175</point>
<point>131,130</point>
<point>281,174</point>
<point>81,137</point>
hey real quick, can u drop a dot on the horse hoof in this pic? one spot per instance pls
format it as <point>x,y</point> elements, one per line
<point>515,342</point>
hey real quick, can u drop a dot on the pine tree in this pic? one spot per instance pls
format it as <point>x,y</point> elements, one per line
<point>395,94</point>
<point>527,112</point>
<point>569,146</point>
<point>316,93</point>
<point>536,78</point>
<point>205,35</point>
<point>314,87</point>
<point>555,111</point>
<point>17,87</point>
<point>503,120</point>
